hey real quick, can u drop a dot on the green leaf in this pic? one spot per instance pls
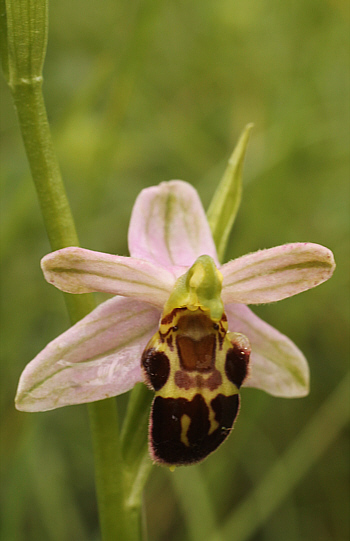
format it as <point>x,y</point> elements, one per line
<point>225,203</point>
<point>27,27</point>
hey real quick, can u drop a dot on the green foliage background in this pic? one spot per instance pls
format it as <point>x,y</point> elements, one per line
<point>144,91</point>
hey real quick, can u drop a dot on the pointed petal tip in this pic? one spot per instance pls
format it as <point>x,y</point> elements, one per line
<point>97,358</point>
<point>19,405</point>
<point>295,389</point>
<point>280,383</point>
<point>26,404</point>
<point>330,258</point>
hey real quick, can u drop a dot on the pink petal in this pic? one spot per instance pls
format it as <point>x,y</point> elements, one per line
<point>168,226</point>
<point>277,273</point>
<point>76,270</point>
<point>277,366</point>
<point>97,358</point>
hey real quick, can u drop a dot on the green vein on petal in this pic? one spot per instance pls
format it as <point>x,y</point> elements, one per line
<point>277,273</point>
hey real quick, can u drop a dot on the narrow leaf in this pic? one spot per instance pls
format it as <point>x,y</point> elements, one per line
<point>225,203</point>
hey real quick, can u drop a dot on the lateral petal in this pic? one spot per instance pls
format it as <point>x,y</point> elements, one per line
<point>277,366</point>
<point>97,358</point>
<point>77,270</point>
<point>274,274</point>
<point>168,226</point>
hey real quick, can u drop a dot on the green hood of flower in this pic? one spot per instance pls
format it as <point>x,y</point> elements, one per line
<point>199,287</point>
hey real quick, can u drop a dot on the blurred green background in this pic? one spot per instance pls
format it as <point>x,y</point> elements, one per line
<point>143,91</point>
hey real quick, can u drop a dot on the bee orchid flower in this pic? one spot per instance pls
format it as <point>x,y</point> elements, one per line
<point>183,315</point>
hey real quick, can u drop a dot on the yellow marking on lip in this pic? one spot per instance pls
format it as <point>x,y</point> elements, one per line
<point>213,422</point>
<point>185,425</point>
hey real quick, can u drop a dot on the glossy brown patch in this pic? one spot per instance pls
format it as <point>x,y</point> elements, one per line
<point>196,354</point>
<point>236,365</point>
<point>195,324</point>
<point>166,438</point>
<point>156,368</point>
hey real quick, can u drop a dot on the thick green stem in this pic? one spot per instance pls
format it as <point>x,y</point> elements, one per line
<point>43,163</point>
<point>27,93</point>
<point>109,472</point>
<point>58,219</point>
<point>134,445</point>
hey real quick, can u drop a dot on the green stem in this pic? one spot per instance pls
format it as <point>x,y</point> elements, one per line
<point>35,129</point>
<point>134,445</point>
<point>29,102</point>
<point>109,471</point>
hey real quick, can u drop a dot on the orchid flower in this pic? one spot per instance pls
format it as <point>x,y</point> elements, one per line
<point>171,247</point>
